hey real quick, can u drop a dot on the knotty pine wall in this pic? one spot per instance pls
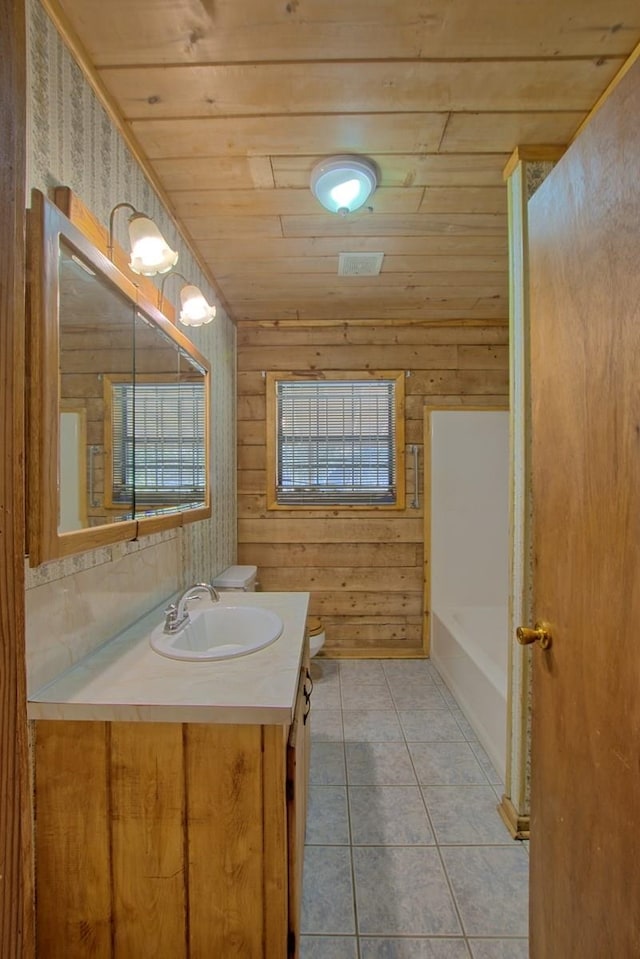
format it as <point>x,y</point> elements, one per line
<point>364,568</point>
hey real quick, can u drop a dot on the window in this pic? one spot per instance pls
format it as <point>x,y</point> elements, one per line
<point>158,443</point>
<point>337,440</point>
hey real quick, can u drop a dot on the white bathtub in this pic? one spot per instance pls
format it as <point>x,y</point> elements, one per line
<point>469,648</point>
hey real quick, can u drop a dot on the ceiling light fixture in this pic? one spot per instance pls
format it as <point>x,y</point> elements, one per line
<point>342,184</point>
<point>195,309</point>
<point>150,252</point>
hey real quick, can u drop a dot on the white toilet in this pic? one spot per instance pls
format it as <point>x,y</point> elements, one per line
<point>241,579</point>
<point>315,630</point>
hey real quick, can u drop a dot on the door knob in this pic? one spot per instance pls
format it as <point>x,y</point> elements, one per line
<point>541,633</point>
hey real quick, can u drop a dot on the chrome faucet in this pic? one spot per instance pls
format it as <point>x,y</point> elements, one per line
<point>176,615</point>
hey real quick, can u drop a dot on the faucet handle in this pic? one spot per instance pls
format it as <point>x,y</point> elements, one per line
<point>170,615</point>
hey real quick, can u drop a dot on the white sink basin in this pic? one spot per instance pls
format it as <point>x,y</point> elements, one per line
<point>219,632</point>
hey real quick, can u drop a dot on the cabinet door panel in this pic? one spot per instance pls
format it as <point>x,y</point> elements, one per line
<point>225,841</point>
<point>74,915</point>
<point>147,840</point>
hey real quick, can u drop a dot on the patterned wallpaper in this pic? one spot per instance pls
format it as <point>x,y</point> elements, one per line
<point>537,172</point>
<point>72,142</point>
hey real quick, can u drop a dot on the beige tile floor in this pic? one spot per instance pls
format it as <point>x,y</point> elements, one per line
<point>406,856</point>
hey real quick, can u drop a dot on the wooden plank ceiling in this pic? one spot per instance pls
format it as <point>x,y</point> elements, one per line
<point>234,101</point>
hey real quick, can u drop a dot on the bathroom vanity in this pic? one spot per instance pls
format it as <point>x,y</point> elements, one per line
<point>170,799</point>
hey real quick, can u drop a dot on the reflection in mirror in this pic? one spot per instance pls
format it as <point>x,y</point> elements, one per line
<point>193,428</point>
<point>96,340</point>
<point>156,428</point>
<point>118,401</point>
<point>72,466</point>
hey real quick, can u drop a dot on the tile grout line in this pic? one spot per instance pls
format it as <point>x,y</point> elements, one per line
<point>435,838</point>
<point>436,845</point>
<point>346,791</point>
<point>449,707</point>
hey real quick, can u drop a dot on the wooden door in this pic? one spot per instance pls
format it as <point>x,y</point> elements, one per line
<point>584,225</point>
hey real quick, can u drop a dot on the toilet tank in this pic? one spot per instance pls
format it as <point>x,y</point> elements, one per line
<point>241,578</point>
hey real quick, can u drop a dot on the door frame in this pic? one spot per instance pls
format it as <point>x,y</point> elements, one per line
<point>16,885</point>
<point>525,170</point>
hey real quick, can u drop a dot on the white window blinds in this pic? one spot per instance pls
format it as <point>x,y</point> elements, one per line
<point>336,442</point>
<point>158,443</point>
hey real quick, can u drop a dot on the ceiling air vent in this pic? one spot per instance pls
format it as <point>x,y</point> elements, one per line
<point>359,264</point>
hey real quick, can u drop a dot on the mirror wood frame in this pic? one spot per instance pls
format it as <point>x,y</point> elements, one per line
<point>47,225</point>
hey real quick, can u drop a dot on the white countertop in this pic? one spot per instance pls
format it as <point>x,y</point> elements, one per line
<point>126,681</point>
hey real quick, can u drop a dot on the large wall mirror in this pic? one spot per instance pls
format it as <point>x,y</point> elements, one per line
<point>118,401</point>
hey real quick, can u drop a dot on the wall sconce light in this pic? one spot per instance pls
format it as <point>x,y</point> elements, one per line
<point>150,252</point>
<point>195,309</point>
<point>342,184</point>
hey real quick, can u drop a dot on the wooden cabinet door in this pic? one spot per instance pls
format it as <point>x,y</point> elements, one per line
<point>298,753</point>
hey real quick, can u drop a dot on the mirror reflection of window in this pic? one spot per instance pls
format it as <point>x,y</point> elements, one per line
<point>158,444</point>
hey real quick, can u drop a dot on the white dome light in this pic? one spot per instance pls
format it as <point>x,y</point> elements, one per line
<point>343,184</point>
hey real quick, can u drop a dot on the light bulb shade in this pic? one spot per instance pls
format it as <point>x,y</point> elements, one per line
<point>343,183</point>
<point>195,309</point>
<point>150,252</point>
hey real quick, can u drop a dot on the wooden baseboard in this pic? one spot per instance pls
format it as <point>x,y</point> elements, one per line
<point>517,825</point>
<point>373,653</point>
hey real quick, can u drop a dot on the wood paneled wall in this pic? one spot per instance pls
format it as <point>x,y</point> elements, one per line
<point>364,568</point>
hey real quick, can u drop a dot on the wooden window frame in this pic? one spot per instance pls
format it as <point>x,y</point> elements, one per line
<point>110,380</point>
<point>272,378</point>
